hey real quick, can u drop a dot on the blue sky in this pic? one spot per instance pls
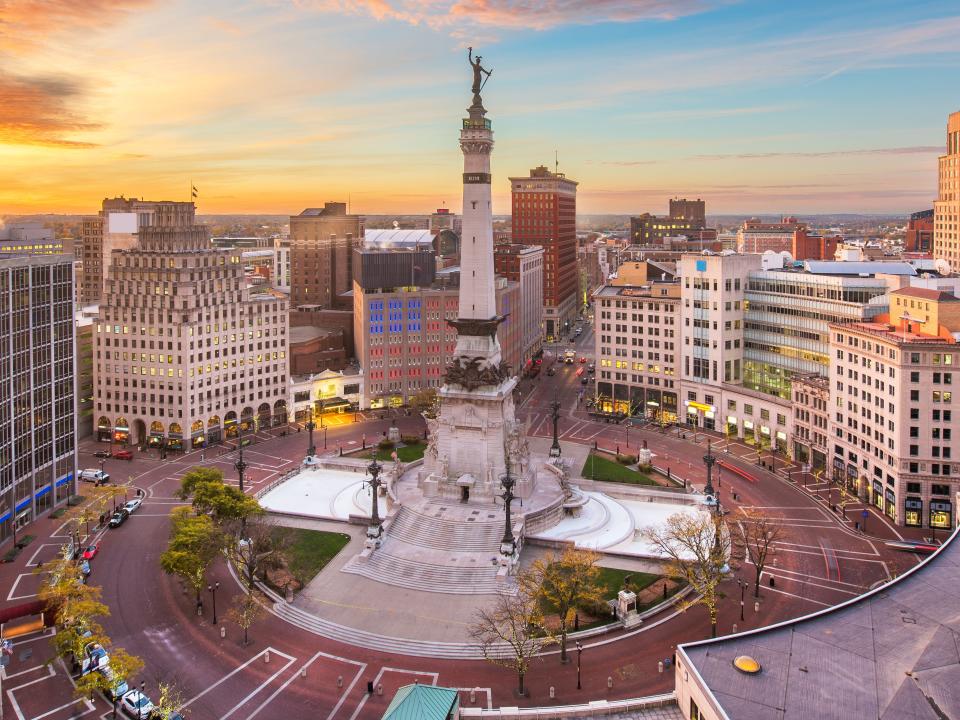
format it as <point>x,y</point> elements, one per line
<point>273,105</point>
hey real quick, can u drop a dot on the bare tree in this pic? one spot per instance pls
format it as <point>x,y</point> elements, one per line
<point>266,545</point>
<point>696,546</point>
<point>511,633</point>
<point>245,611</point>
<point>759,535</point>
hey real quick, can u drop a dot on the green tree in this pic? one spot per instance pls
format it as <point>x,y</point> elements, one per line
<point>74,605</point>
<point>169,700</point>
<point>193,545</point>
<point>125,667</point>
<point>566,583</point>
<point>211,496</point>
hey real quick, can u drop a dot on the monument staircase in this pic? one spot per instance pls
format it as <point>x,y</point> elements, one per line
<point>449,548</point>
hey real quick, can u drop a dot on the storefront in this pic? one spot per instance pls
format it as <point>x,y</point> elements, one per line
<point>877,499</point>
<point>749,432</point>
<point>941,514</point>
<point>104,430</point>
<point>891,508</point>
<point>913,512</point>
<point>333,406</point>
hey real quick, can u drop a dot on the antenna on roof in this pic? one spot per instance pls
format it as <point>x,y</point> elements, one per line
<point>556,162</point>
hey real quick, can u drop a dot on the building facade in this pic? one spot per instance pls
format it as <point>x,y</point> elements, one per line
<point>647,229</point>
<point>811,420</point>
<point>544,207</point>
<point>919,235</point>
<point>523,264</point>
<point>757,236</point>
<point>184,353</point>
<point>117,228</point>
<point>946,209</point>
<point>37,388</point>
<point>29,238</point>
<point>693,210</point>
<point>326,393</point>
<point>892,425</point>
<point>322,241</point>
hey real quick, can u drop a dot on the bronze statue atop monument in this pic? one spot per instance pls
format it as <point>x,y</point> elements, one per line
<point>478,76</point>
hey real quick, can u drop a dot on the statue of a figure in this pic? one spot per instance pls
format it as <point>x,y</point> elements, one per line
<point>478,72</point>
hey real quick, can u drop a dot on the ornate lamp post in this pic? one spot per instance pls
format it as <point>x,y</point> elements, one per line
<point>709,460</point>
<point>241,467</point>
<point>311,448</point>
<point>555,416</point>
<point>212,589</point>
<point>508,544</point>
<point>375,530</point>
<point>579,651</point>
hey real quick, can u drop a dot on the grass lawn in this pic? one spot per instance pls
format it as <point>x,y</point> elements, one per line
<point>611,580</point>
<point>407,453</point>
<point>597,467</point>
<point>311,550</point>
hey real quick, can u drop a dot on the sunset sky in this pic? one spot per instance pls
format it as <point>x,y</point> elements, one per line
<point>270,106</point>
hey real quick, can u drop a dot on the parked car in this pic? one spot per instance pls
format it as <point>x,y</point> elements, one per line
<point>84,569</point>
<point>116,686</point>
<point>584,380</point>
<point>102,454</point>
<point>132,505</point>
<point>94,657</point>
<point>90,552</point>
<point>98,477</point>
<point>591,368</point>
<point>119,518</point>
<point>136,705</point>
<point>583,360</point>
<point>123,455</point>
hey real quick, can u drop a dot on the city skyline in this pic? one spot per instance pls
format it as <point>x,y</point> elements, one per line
<point>820,110</point>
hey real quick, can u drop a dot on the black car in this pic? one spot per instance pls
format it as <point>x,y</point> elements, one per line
<point>102,454</point>
<point>119,518</point>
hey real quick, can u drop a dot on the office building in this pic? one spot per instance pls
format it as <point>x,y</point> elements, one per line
<point>919,235</point>
<point>184,352</point>
<point>37,387</point>
<point>946,209</point>
<point>693,210</point>
<point>117,227</point>
<point>814,246</point>
<point>757,236</point>
<point>892,425</point>
<point>811,420</point>
<point>544,207</point>
<point>322,241</point>
<point>29,238</point>
<point>637,343</point>
<point>647,229</point>
<point>523,264</point>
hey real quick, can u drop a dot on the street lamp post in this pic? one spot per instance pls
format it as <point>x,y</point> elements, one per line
<point>555,416</point>
<point>508,543</point>
<point>241,468</point>
<point>212,589</point>
<point>579,651</point>
<point>742,585</point>
<point>709,460</point>
<point>311,448</point>
<point>375,529</point>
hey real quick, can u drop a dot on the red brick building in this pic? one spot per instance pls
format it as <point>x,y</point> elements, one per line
<point>807,246</point>
<point>919,237</point>
<point>544,207</point>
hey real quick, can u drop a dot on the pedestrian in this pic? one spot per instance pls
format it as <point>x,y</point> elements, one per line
<point>201,456</point>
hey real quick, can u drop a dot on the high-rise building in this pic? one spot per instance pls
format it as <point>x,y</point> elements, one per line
<point>946,209</point>
<point>321,254</point>
<point>37,387</point>
<point>523,264</point>
<point>184,353</point>
<point>544,207</point>
<point>692,210</point>
<point>919,235</point>
<point>891,385</point>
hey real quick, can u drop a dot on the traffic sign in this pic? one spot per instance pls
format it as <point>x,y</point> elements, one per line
<point>864,514</point>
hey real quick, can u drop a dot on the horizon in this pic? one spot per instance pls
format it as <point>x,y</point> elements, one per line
<point>757,109</point>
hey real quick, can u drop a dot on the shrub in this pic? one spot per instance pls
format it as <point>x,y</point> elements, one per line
<point>385,444</point>
<point>626,459</point>
<point>647,467</point>
<point>409,439</point>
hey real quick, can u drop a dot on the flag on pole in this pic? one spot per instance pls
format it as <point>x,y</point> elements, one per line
<point>193,191</point>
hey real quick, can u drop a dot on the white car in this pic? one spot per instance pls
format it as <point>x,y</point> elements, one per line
<point>98,477</point>
<point>132,505</point>
<point>136,704</point>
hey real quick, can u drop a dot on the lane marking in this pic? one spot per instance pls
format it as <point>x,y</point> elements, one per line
<point>376,682</point>
<point>232,673</point>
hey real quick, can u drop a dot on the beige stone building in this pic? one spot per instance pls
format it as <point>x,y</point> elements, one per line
<point>183,353</point>
<point>891,431</point>
<point>946,209</point>
<point>811,419</point>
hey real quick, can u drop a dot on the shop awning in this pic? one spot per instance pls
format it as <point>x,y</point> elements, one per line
<point>334,403</point>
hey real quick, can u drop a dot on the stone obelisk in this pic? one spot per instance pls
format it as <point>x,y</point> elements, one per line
<point>476,437</point>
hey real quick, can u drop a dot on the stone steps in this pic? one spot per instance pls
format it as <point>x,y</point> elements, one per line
<point>451,535</point>
<point>400,571</point>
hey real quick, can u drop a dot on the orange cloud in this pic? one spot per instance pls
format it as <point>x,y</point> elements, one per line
<point>36,111</point>
<point>23,23</point>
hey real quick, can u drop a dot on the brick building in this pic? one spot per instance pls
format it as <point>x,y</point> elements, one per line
<point>322,241</point>
<point>919,235</point>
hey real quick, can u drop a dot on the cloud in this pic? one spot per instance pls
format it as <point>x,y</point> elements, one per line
<point>24,23</point>
<point>35,110</point>
<point>511,14</point>
<point>913,150</point>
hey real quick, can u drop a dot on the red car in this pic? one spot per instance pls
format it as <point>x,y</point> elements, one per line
<point>91,551</point>
<point>122,455</point>
<point>583,360</point>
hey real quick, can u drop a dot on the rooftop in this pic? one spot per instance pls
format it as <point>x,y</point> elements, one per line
<point>305,333</point>
<point>927,294</point>
<point>398,237</point>
<point>891,653</point>
<point>889,332</point>
<point>837,267</point>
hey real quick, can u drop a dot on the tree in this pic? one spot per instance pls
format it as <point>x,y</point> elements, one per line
<point>759,534</point>
<point>204,486</point>
<point>566,583</point>
<point>197,476</point>
<point>425,401</point>
<point>511,633</point>
<point>696,546</point>
<point>169,699</point>
<point>125,667</point>
<point>245,611</point>
<point>74,605</point>
<point>265,545</point>
<point>194,543</point>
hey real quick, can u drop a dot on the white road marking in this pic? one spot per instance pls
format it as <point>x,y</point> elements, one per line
<point>376,681</point>
<point>11,596</point>
<point>235,671</point>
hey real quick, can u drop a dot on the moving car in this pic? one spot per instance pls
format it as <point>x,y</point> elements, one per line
<point>90,552</point>
<point>132,505</point>
<point>136,705</point>
<point>102,454</point>
<point>98,477</point>
<point>584,380</point>
<point>123,455</point>
<point>583,360</point>
<point>569,356</point>
<point>119,518</point>
<point>591,368</point>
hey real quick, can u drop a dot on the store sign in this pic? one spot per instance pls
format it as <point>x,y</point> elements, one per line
<point>700,406</point>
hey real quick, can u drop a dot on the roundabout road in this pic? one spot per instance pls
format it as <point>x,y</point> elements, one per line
<point>288,672</point>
